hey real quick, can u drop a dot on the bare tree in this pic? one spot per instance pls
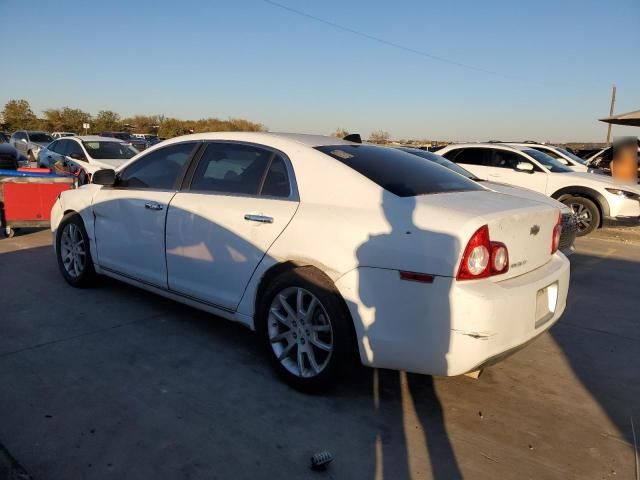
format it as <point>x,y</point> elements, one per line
<point>340,133</point>
<point>379,136</point>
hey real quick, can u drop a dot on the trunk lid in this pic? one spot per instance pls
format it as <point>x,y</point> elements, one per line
<point>524,226</point>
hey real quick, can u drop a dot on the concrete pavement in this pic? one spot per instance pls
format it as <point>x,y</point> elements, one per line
<point>113,382</point>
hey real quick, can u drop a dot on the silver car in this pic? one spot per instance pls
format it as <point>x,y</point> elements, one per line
<point>30,142</point>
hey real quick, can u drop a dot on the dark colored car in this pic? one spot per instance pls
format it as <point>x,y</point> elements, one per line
<point>137,143</point>
<point>10,158</point>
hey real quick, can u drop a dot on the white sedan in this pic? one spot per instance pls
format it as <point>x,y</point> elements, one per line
<point>85,154</point>
<point>325,247</point>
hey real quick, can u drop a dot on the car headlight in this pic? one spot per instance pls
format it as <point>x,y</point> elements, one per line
<point>623,193</point>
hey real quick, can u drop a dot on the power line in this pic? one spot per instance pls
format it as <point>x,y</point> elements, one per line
<point>397,45</point>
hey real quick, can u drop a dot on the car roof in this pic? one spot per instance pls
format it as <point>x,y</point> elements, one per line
<point>506,146</point>
<point>265,137</point>
<point>92,138</point>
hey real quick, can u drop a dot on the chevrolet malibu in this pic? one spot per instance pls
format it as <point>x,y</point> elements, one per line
<point>326,248</point>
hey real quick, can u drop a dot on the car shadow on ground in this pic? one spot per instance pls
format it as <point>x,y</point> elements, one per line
<point>599,335</point>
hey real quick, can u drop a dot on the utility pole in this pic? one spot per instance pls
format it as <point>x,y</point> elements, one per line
<point>613,102</point>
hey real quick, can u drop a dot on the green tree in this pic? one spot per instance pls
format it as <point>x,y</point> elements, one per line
<point>66,119</point>
<point>18,115</point>
<point>106,120</point>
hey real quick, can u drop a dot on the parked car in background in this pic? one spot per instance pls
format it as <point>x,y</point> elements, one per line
<point>10,158</point>
<point>569,222</point>
<point>148,137</point>
<point>139,144</point>
<point>325,247</point>
<point>84,155</point>
<point>562,155</point>
<point>29,142</point>
<point>600,162</point>
<point>63,134</point>
<point>595,199</point>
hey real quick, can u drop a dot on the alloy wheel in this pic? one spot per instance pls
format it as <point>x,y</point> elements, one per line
<point>300,332</point>
<point>73,251</point>
<point>583,215</point>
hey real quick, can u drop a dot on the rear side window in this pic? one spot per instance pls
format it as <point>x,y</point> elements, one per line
<point>231,168</point>
<point>469,156</point>
<point>401,173</point>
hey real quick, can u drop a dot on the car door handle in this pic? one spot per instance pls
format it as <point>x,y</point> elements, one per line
<point>153,206</point>
<point>258,218</point>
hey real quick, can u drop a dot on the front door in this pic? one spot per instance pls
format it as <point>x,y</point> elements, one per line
<point>130,217</point>
<point>502,168</point>
<point>241,197</point>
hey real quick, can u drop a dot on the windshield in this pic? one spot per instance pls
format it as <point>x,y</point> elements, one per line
<point>549,163</point>
<point>399,172</point>
<point>572,156</point>
<point>4,138</point>
<point>39,137</point>
<point>105,150</point>
<point>441,161</point>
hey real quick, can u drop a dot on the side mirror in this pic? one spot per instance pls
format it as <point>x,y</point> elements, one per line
<point>524,167</point>
<point>105,177</point>
<point>77,156</point>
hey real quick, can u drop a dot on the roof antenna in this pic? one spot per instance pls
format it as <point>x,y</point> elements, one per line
<point>353,137</point>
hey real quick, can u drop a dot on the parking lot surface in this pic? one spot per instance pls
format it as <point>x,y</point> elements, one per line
<point>114,382</point>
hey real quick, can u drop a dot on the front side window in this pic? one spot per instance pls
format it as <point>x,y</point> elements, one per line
<point>398,172</point>
<point>60,147</point>
<point>159,169</point>
<point>75,149</point>
<point>510,160</point>
<point>232,168</point>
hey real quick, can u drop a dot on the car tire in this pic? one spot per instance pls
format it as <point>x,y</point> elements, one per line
<point>309,340</point>
<point>587,214</point>
<point>73,252</point>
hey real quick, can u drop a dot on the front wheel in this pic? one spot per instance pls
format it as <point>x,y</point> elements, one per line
<point>586,212</point>
<point>72,250</point>
<point>305,325</point>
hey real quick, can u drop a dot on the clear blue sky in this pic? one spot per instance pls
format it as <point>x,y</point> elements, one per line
<point>247,58</point>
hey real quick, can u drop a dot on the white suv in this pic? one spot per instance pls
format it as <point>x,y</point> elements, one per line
<point>562,155</point>
<point>595,199</point>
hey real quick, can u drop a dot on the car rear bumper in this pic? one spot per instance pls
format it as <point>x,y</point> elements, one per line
<point>449,327</point>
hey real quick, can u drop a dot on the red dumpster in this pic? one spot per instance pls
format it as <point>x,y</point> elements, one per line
<point>26,198</point>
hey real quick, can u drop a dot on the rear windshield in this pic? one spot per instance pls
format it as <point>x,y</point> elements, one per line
<point>40,137</point>
<point>105,150</point>
<point>400,173</point>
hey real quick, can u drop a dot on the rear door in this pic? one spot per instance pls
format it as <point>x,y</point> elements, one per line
<point>473,159</point>
<point>502,168</point>
<point>238,199</point>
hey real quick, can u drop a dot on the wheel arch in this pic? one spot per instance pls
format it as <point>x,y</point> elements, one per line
<point>286,266</point>
<point>586,192</point>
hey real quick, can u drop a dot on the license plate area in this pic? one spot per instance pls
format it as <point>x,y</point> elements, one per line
<point>546,300</point>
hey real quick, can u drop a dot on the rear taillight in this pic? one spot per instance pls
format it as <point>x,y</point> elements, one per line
<point>482,257</point>
<point>557,231</point>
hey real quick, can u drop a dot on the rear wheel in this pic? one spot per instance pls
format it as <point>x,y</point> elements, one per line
<point>72,250</point>
<point>305,326</point>
<point>586,212</point>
